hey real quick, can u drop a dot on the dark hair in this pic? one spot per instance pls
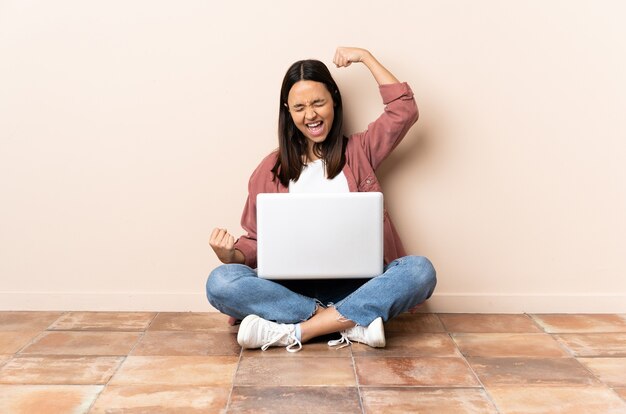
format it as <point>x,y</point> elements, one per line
<point>292,144</point>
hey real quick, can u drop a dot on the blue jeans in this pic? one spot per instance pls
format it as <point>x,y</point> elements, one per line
<point>235,289</point>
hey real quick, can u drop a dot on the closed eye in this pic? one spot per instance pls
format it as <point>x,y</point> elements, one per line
<point>318,103</point>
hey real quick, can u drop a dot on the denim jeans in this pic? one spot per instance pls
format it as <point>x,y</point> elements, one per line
<point>235,289</point>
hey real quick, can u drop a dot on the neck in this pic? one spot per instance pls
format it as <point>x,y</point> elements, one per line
<point>310,156</point>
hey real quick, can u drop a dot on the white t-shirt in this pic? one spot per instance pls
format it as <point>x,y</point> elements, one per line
<point>313,180</point>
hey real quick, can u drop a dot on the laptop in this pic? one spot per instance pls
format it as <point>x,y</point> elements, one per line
<point>319,236</point>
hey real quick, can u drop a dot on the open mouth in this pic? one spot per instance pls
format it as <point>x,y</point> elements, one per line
<point>315,128</point>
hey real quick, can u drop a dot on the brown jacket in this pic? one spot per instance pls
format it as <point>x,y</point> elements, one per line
<point>364,153</point>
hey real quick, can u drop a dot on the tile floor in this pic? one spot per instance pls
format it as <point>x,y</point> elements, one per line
<point>91,362</point>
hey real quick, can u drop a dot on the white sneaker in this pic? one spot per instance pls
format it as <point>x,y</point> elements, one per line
<point>372,335</point>
<point>256,332</point>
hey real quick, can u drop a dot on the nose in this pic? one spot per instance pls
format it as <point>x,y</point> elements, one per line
<point>309,113</point>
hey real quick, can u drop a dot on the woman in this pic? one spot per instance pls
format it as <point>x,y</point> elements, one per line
<point>314,156</point>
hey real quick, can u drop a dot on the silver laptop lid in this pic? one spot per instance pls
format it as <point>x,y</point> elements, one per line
<point>319,236</point>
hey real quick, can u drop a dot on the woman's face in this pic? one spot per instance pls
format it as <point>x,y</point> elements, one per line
<point>312,109</point>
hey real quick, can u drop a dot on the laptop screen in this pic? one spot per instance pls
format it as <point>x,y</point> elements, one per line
<point>319,236</point>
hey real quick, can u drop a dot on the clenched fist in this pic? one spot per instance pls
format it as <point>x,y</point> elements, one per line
<point>345,56</point>
<point>222,244</point>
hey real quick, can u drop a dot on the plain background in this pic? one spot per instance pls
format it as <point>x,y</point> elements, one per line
<point>128,130</point>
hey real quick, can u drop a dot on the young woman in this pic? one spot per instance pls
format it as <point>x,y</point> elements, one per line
<point>314,156</point>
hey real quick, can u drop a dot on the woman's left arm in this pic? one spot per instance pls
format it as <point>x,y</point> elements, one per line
<point>386,132</point>
<point>345,56</point>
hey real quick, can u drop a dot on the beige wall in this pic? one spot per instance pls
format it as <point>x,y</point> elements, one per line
<point>128,130</point>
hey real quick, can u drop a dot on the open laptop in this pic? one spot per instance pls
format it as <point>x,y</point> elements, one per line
<point>319,236</point>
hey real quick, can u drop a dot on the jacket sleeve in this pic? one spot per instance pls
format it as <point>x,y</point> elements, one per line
<point>384,134</point>
<point>247,243</point>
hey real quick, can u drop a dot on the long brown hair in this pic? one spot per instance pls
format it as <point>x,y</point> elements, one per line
<point>292,144</point>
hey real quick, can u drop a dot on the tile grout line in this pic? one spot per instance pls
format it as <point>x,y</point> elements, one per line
<point>443,325</point>
<point>38,336</point>
<point>156,314</point>
<point>143,332</point>
<point>356,381</point>
<point>571,352</point>
<point>482,386</point>
<point>595,376</point>
<point>571,332</point>
<point>124,357</point>
<point>615,392</point>
<point>232,385</point>
<point>535,322</point>
<point>2,364</point>
<point>573,355</point>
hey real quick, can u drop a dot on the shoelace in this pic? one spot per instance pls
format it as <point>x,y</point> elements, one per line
<point>280,334</point>
<point>295,342</point>
<point>343,340</point>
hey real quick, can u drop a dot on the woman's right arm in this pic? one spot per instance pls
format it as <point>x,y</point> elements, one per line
<point>243,250</point>
<point>223,244</point>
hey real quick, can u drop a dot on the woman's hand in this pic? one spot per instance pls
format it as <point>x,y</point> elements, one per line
<point>223,244</point>
<point>345,56</point>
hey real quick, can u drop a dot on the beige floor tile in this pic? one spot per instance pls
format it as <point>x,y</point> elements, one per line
<point>431,372</point>
<point>509,345</point>
<point>588,345</point>
<point>415,323</point>
<point>531,371</point>
<point>290,400</point>
<point>59,370</point>
<point>47,399</point>
<point>162,399</point>
<point>83,343</point>
<point>13,341</point>
<point>192,321</point>
<point>187,362</point>
<point>164,343</point>
<point>310,349</point>
<point>488,323</point>
<point>176,370</point>
<point>103,321</point>
<point>288,371</point>
<point>27,321</point>
<point>425,400</point>
<point>421,344</point>
<point>611,371</point>
<point>581,323</point>
<point>556,400</point>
